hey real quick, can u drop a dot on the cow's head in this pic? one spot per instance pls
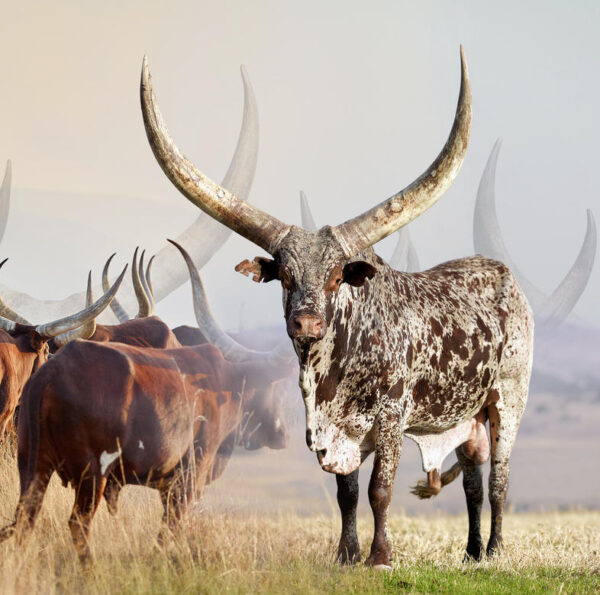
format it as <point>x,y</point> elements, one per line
<point>264,424</point>
<point>313,267</point>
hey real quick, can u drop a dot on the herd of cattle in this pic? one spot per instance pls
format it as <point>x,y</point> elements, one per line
<point>433,355</point>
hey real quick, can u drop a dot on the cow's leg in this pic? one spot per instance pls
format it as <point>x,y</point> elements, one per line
<point>30,502</point>
<point>473,486</point>
<point>87,499</point>
<point>387,456</point>
<point>111,495</point>
<point>347,497</point>
<point>504,418</point>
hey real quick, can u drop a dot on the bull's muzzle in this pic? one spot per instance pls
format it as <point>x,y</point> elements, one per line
<point>306,327</point>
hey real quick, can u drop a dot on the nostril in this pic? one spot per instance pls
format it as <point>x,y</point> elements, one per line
<point>309,439</point>
<point>321,453</point>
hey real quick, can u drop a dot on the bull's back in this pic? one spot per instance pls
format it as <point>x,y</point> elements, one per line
<point>460,344</point>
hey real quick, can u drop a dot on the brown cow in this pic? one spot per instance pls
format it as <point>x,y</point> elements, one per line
<point>24,348</point>
<point>105,414</point>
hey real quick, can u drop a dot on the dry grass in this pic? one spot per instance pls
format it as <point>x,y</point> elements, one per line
<point>225,550</point>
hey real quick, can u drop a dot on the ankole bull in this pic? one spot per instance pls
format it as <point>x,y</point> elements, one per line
<point>384,354</point>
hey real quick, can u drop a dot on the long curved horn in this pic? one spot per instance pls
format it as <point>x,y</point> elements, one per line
<point>487,239</point>
<point>231,349</point>
<point>203,237</point>
<point>115,306</point>
<point>404,257</point>
<point>365,230</point>
<point>7,325</point>
<point>63,325</point>
<point>8,312</point>
<point>142,297</point>
<point>85,331</point>
<point>148,277</point>
<point>308,221</point>
<point>142,277</point>
<point>5,198</point>
<point>252,223</point>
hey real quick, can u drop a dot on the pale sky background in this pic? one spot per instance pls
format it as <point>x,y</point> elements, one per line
<point>355,101</point>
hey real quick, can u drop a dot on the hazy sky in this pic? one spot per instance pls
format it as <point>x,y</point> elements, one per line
<point>355,101</point>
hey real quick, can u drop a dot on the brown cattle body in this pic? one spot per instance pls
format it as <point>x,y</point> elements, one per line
<point>102,415</point>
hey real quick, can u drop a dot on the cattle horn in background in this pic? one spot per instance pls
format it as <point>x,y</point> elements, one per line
<point>208,325</point>
<point>85,331</point>
<point>487,239</point>
<point>8,312</point>
<point>142,284</point>
<point>115,305</point>
<point>202,239</point>
<point>404,257</point>
<point>52,329</point>
<point>266,231</point>
<point>5,198</point>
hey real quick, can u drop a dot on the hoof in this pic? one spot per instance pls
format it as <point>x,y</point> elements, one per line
<point>474,553</point>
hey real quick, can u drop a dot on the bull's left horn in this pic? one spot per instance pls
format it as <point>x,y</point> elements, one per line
<point>63,325</point>
<point>379,222</point>
<point>252,223</point>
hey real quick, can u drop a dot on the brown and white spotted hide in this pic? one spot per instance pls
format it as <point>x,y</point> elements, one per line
<point>384,354</point>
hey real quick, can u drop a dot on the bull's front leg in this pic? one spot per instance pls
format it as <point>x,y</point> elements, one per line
<point>387,456</point>
<point>347,497</point>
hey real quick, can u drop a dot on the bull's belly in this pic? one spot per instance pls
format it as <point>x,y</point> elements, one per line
<point>440,410</point>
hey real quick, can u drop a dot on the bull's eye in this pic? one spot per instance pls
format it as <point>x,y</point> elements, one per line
<point>334,279</point>
<point>287,281</point>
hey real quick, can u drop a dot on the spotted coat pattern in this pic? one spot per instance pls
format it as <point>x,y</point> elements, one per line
<point>418,353</point>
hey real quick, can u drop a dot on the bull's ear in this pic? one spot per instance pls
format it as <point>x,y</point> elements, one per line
<point>355,273</point>
<point>261,269</point>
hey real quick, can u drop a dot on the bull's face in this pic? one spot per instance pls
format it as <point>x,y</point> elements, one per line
<point>265,425</point>
<point>311,268</point>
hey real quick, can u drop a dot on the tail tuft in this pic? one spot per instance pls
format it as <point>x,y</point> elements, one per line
<point>427,488</point>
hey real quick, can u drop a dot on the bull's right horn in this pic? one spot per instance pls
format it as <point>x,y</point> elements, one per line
<point>63,325</point>
<point>252,223</point>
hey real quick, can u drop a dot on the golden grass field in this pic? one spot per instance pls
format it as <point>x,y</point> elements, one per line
<point>224,548</point>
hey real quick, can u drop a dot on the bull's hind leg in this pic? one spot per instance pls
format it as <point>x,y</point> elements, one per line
<point>30,502</point>
<point>347,497</point>
<point>473,486</point>
<point>504,418</point>
<point>87,499</point>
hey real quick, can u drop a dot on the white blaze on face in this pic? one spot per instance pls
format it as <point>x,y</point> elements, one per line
<point>277,424</point>
<point>106,458</point>
<point>141,445</point>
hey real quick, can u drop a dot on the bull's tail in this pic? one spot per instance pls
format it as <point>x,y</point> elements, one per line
<point>432,486</point>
